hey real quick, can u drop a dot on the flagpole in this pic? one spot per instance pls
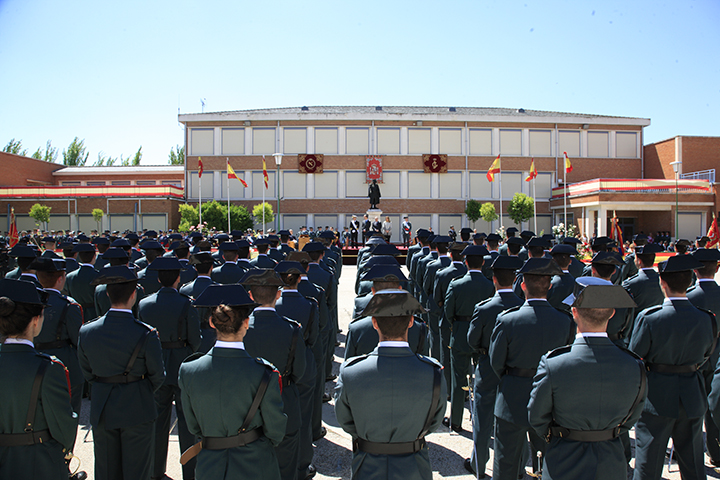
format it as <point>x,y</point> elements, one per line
<point>227,171</point>
<point>565,191</point>
<point>500,174</point>
<point>534,203</point>
<point>263,202</point>
<point>200,199</point>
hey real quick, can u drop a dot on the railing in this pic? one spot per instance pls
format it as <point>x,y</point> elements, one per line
<point>608,185</point>
<point>111,191</point>
<point>708,175</point>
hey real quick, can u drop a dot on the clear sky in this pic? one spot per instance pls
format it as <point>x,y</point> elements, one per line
<point>116,73</point>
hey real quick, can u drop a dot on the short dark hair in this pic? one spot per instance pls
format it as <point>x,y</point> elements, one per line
<point>474,262</point>
<point>595,316</point>
<point>48,279</point>
<point>120,292</point>
<point>230,255</point>
<point>537,285</point>
<point>680,248</point>
<point>709,269</point>
<point>442,248</point>
<point>86,257</point>
<point>244,252</point>
<point>291,279</point>
<point>393,327</point>
<point>228,320</point>
<point>118,261</point>
<point>152,254</point>
<point>604,270</point>
<point>15,316</point>
<point>456,256</point>
<point>183,252</point>
<point>504,277</point>
<point>493,244</point>
<point>562,260</point>
<point>677,281</point>
<point>203,267</point>
<point>646,259</point>
<point>167,277</point>
<point>514,248</point>
<point>24,262</point>
<point>315,255</point>
<point>264,294</point>
<point>536,252</point>
<point>263,248</point>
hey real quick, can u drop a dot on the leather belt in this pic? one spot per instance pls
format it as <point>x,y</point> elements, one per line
<point>521,372</point>
<point>52,345</point>
<point>239,440</point>
<point>584,435</point>
<point>671,369</point>
<point>120,378</point>
<point>175,344</point>
<point>24,439</point>
<point>463,318</point>
<point>376,448</point>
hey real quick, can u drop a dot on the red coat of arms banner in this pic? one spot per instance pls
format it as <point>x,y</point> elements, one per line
<point>434,163</point>
<point>373,169</point>
<point>311,163</point>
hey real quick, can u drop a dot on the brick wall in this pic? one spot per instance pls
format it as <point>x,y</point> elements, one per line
<point>19,170</point>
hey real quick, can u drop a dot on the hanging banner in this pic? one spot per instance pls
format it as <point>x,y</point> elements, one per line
<point>311,163</point>
<point>373,169</point>
<point>434,163</point>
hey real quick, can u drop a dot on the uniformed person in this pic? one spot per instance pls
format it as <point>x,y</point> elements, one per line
<point>563,284</point>
<point>423,237</point>
<point>263,260</point>
<point>644,286</point>
<point>521,336</point>
<point>435,314</point>
<point>62,321</point>
<point>576,405</point>
<point>70,263</point>
<point>362,338</point>
<point>114,256</point>
<point>629,267</point>
<point>278,340</point>
<point>493,240</point>
<point>80,284</point>
<point>37,423</point>
<point>182,252</point>
<point>24,256</point>
<point>122,359</point>
<point>511,232</point>
<point>50,244</point>
<point>462,295</point>
<point>414,249</point>
<point>674,339</point>
<point>389,430</point>
<point>486,381</point>
<point>148,279</point>
<point>203,264</point>
<point>238,436</point>
<point>178,327</point>
<point>534,248</point>
<point>284,248</point>
<point>229,271</point>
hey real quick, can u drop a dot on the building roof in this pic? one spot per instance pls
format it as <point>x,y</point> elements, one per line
<point>120,170</point>
<point>410,113</point>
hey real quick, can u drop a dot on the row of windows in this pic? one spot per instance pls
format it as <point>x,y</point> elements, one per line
<point>412,141</point>
<point>101,183</point>
<point>351,184</point>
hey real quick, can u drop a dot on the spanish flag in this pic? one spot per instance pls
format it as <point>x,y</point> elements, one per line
<point>13,233</point>
<point>713,234</point>
<point>200,167</point>
<point>533,170</point>
<point>231,174</point>
<point>494,168</point>
<point>265,175</point>
<point>568,165</point>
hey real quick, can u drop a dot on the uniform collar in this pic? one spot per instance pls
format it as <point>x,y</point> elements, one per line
<point>390,343</point>
<point>122,310</point>
<point>264,309</point>
<point>591,334</point>
<point>505,290</point>
<point>19,341</point>
<point>235,345</point>
<point>670,300</point>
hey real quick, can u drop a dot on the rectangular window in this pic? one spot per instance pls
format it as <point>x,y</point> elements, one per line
<point>120,182</point>
<point>388,141</point>
<point>95,184</point>
<point>540,143</point>
<point>263,141</point>
<point>445,221</point>
<point>357,141</point>
<point>355,184</point>
<point>177,183</point>
<point>70,184</point>
<point>291,222</point>
<point>326,141</point>
<point>598,144</point>
<point>451,185</point>
<point>233,141</point>
<point>326,185</point>
<point>418,141</point>
<point>237,190</point>
<point>450,141</point>
<point>145,182</point>
<point>479,186</point>
<point>480,141</point>
<point>626,144</point>
<point>294,140</point>
<point>569,142</point>
<point>511,142</point>
<point>511,183</point>
<point>390,188</point>
<point>294,184</point>
<point>419,183</point>
<point>258,185</point>
<point>543,185</point>
<point>201,141</point>
<point>207,185</point>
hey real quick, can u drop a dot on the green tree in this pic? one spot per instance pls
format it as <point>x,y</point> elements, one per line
<point>98,215</point>
<point>472,210</point>
<point>132,161</point>
<point>177,155</point>
<point>104,160</point>
<point>41,214</point>
<point>520,208</point>
<point>75,155</point>
<point>488,213</point>
<point>49,155</point>
<point>188,217</point>
<point>215,215</point>
<point>15,146</point>
<point>257,214</point>
<point>240,218</point>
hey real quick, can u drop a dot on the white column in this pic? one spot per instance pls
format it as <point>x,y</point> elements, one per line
<point>341,141</point>
<point>495,142</point>
<point>404,184</point>
<point>248,179</point>
<point>602,222</point>
<point>310,185</point>
<point>435,222</point>
<point>612,150</point>
<point>310,220</point>
<point>434,185</point>
<point>583,144</point>
<point>217,141</point>
<point>341,184</point>
<point>404,140</point>
<point>434,140</point>
<point>248,141</point>
<point>310,139</point>
<point>525,143</point>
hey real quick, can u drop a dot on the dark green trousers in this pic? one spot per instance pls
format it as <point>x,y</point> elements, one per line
<point>124,453</point>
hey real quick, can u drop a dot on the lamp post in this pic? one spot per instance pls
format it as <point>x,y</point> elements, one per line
<point>676,168</point>
<point>278,161</point>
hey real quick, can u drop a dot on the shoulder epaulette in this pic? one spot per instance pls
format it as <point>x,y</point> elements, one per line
<point>511,309</point>
<point>692,288</point>
<point>291,322</point>
<point>185,295</point>
<point>630,278</point>
<point>653,309</point>
<point>559,351</point>
<point>429,360</point>
<point>267,364</point>
<point>149,327</point>
<point>194,356</point>
<point>354,360</point>
<point>480,304</point>
<point>630,352</point>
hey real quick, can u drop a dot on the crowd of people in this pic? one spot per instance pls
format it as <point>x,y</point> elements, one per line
<point>561,355</point>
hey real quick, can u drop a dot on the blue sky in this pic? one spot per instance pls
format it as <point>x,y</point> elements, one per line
<point>116,73</point>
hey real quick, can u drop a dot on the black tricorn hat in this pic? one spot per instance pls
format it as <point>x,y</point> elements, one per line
<point>287,266</point>
<point>385,273</point>
<point>298,257</point>
<point>314,247</point>
<point>115,275</point>
<point>387,249</point>
<point>503,262</point>
<point>232,295</point>
<point>679,263</point>
<point>47,264</point>
<point>648,248</point>
<point>607,258</point>
<point>478,250</point>
<point>21,291</point>
<point>262,277</point>
<point>115,252</point>
<point>563,248</point>
<point>458,246</point>
<point>706,255</point>
<point>515,241</point>
<point>201,258</point>
<point>392,303</point>
<point>165,263</point>
<point>540,266</point>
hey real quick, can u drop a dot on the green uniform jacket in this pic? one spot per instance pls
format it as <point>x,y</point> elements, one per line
<point>263,261</point>
<point>227,273</point>
<point>206,384</point>
<point>18,366</point>
<point>462,295</point>
<point>104,350</point>
<point>591,385</point>
<point>79,287</point>
<point>362,338</point>
<point>102,301</point>
<point>386,397</point>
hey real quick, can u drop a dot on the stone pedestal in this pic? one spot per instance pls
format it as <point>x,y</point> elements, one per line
<point>374,212</point>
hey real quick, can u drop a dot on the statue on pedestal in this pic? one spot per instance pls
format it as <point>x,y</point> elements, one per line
<point>374,194</point>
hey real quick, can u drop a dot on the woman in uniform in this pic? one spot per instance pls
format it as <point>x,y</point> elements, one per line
<point>238,436</point>
<point>37,424</point>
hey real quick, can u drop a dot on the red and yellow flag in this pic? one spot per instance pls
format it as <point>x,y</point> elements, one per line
<point>265,175</point>
<point>568,165</point>
<point>231,174</point>
<point>200,167</point>
<point>714,233</point>
<point>494,168</point>
<point>533,170</point>
<point>616,234</point>
<point>13,233</point>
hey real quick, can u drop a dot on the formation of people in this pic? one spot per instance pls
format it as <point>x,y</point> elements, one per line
<point>556,357</point>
